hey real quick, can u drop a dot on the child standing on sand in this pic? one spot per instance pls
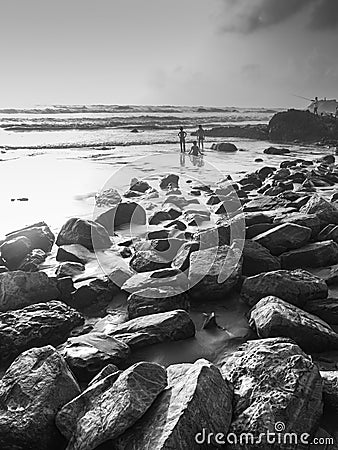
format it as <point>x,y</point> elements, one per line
<point>200,137</point>
<point>182,135</point>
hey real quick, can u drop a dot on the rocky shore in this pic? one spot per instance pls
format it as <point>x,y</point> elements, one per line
<point>78,309</point>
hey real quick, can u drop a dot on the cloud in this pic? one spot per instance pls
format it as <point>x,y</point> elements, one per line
<point>247,16</point>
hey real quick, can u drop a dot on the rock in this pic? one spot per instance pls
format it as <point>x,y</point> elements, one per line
<point>33,389</point>
<point>276,151</point>
<point>182,259</point>
<point>196,399</point>
<point>19,289</point>
<point>214,236</point>
<point>148,260</point>
<point>139,186</point>
<point>265,172</point>
<point>151,301</point>
<point>330,388</point>
<point>124,213</point>
<point>324,210</point>
<point>159,217</point>
<point>35,326</point>
<point>3,269</point>
<point>209,322</point>
<point>156,279</point>
<point>152,329</point>
<point>317,254</point>
<point>158,234</point>
<point>169,181</point>
<point>88,353</point>
<point>13,251</point>
<point>108,197</point>
<point>73,253</point>
<point>214,272</point>
<point>325,308</point>
<point>258,259</point>
<point>284,237</point>
<point>33,260</point>
<point>39,235</point>
<point>99,414</point>
<point>330,232</point>
<point>109,369</point>
<point>272,317</point>
<point>305,220</point>
<point>84,232</point>
<point>259,228</point>
<point>254,218</point>
<point>225,147</point>
<point>69,269</point>
<point>274,382</point>
<point>92,295</point>
<point>296,287</point>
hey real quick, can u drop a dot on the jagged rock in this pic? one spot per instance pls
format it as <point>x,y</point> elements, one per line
<point>108,197</point>
<point>19,289</point>
<point>225,147</point>
<point>212,237</point>
<point>39,235</point>
<point>296,287</point>
<point>254,218</point>
<point>258,259</point>
<point>122,214</point>
<point>276,151</point>
<point>259,228</point>
<point>274,382</point>
<point>69,269</point>
<point>324,210</point>
<point>330,388</point>
<point>106,413</point>
<point>325,308</point>
<point>84,232</point>
<point>317,254</point>
<point>265,172</point>
<point>305,220</point>
<point>159,217</point>
<point>169,181</point>
<point>35,326</point>
<point>139,186</point>
<point>33,389</point>
<point>284,237</point>
<point>151,301</point>
<point>13,251</point>
<point>182,259</point>
<point>148,260</point>
<point>152,329</point>
<point>264,203</point>
<point>109,369</point>
<point>157,279</point>
<point>273,317</point>
<point>197,399</point>
<point>88,353</point>
<point>92,295</point>
<point>330,232</point>
<point>73,253</point>
<point>32,261</point>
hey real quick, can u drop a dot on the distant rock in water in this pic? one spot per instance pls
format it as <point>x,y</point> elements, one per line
<point>259,132</point>
<point>276,151</point>
<point>225,147</point>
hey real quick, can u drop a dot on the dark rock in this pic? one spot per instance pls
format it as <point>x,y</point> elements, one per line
<point>274,382</point>
<point>33,260</point>
<point>325,211</point>
<point>139,186</point>
<point>265,172</point>
<point>211,237</point>
<point>73,253</point>
<point>148,260</point>
<point>124,213</point>
<point>225,147</point>
<point>304,220</point>
<point>214,272</point>
<point>108,370</point>
<point>209,322</point>
<point>106,413</point>
<point>245,131</point>
<point>258,259</point>
<point>296,287</point>
<point>3,269</point>
<point>35,326</point>
<point>179,225</point>
<point>159,217</point>
<point>273,317</point>
<point>19,289</point>
<point>151,301</point>
<point>169,181</point>
<point>325,308</point>
<point>156,279</point>
<point>39,234</point>
<point>276,151</point>
<point>38,383</point>
<point>88,353</point>
<point>13,251</point>
<point>284,237</point>
<point>69,269</point>
<point>259,228</point>
<point>92,296</point>
<point>182,259</point>
<point>158,234</point>
<point>197,398</point>
<point>84,232</point>
<point>317,254</point>
<point>330,232</point>
<point>126,252</point>
<point>254,218</point>
<point>153,328</point>
<point>330,388</point>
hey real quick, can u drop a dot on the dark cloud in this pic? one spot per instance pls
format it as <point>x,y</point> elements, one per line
<point>247,16</point>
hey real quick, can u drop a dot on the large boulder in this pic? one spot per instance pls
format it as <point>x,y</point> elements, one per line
<point>284,237</point>
<point>19,289</point>
<point>13,251</point>
<point>106,414</point>
<point>296,287</point>
<point>33,389</point>
<point>330,232</point>
<point>33,260</point>
<point>227,147</point>
<point>182,259</point>
<point>39,235</point>
<point>152,301</point>
<point>151,329</point>
<point>125,213</point>
<point>157,279</point>
<point>88,353</point>
<point>324,210</point>
<point>214,272</point>
<point>148,260</point>
<point>317,254</point>
<point>276,151</point>
<point>169,181</point>
<point>74,253</point>
<point>277,388</point>
<point>36,326</point>
<point>273,317</point>
<point>258,259</point>
<point>305,220</point>
<point>325,308</point>
<point>197,398</point>
<point>84,232</point>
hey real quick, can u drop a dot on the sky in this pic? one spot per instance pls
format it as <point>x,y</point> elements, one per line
<point>187,52</point>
